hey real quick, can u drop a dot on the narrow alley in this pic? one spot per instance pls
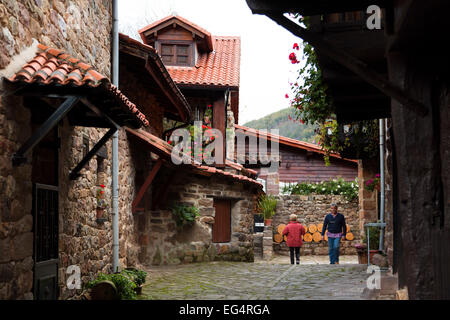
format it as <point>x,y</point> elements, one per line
<point>262,280</point>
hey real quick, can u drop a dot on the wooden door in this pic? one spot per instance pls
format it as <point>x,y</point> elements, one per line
<point>221,231</point>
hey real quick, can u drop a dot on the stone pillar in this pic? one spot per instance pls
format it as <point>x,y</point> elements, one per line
<point>258,245</point>
<point>268,243</point>
<point>367,169</point>
<point>273,182</point>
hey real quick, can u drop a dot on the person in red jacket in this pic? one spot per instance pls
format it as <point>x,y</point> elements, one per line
<point>294,232</point>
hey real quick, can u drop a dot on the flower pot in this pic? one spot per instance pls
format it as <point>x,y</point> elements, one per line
<point>268,222</point>
<point>362,256</point>
<point>138,289</point>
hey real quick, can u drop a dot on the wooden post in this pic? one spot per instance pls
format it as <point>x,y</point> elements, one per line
<point>219,121</point>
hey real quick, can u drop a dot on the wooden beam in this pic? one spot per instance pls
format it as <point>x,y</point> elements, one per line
<point>355,65</point>
<point>75,173</point>
<point>146,184</point>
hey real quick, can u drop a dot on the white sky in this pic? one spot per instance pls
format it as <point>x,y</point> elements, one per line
<point>265,46</point>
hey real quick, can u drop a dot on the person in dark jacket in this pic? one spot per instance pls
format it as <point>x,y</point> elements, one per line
<point>294,232</point>
<point>337,229</point>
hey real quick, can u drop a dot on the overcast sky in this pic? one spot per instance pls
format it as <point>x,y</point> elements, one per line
<point>265,46</point>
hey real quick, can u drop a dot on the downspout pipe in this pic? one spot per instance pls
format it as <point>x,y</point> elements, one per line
<point>115,140</point>
<point>382,190</point>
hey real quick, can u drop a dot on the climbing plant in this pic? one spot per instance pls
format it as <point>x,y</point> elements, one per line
<point>313,104</point>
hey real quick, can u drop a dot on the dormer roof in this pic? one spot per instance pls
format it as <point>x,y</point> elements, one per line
<point>150,32</point>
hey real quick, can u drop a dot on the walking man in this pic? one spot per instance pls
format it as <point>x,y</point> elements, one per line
<point>293,233</point>
<point>337,228</point>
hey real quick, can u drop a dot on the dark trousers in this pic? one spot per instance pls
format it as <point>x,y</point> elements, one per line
<point>297,254</point>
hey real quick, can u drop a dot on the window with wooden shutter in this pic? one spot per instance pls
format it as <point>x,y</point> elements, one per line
<point>221,231</point>
<point>176,54</point>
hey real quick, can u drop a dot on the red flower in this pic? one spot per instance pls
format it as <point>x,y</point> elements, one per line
<point>303,122</point>
<point>209,106</point>
<point>169,142</point>
<point>292,57</point>
<point>295,46</point>
<point>286,96</point>
<point>102,192</point>
<point>102,185</point>
<point>203,126</point>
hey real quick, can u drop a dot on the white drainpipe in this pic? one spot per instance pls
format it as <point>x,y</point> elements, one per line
<point>115,141</point>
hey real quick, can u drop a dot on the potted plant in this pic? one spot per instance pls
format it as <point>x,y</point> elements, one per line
<point>101,203</point>
<point>373,183</point>
<point>374,240</point>
<point>267,205</point>
<point>137,276</point>
<point>361,250</point>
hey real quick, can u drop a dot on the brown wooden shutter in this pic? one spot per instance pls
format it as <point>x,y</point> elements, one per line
<point>221,231</point>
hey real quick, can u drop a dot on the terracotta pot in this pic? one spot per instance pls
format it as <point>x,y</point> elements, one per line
<point>362,256</point>
<point>268,222</point>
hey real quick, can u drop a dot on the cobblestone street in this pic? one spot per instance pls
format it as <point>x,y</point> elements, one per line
<point>276,279</point>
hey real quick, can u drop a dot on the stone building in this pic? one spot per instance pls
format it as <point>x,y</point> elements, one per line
<point>58,110</point>
<point>298,161</point>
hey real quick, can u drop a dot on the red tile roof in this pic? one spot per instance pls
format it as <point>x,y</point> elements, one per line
<point>164,150</point>
<point>217,68</point>
<point>56,69</point>
<point>289,141</point>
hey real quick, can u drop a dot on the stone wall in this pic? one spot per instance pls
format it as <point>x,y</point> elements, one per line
<point>312,210</point>
<point>82,29</point>
<point>162,242</point>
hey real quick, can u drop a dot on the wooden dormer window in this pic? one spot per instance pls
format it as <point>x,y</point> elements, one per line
<point>177,54</point>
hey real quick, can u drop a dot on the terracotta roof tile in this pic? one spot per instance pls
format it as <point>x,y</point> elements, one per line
<point>217,68</point>
<point>289,141</point>
<point>164,150</point>
<point>53,66</point>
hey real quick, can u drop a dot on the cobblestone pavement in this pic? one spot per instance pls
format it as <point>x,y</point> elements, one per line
<point>276,279</point>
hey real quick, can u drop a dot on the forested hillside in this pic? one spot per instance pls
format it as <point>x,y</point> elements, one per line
<point>288,128</point>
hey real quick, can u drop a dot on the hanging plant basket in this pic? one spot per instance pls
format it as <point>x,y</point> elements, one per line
<point>359,140</point>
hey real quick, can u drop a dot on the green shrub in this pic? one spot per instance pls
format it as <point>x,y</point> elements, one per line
<point>332,187</point>
<point>184,214</point>
<point>374,237</point>
<point>124,285</point>
<point>267,205</point>
<point>137,276</point>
